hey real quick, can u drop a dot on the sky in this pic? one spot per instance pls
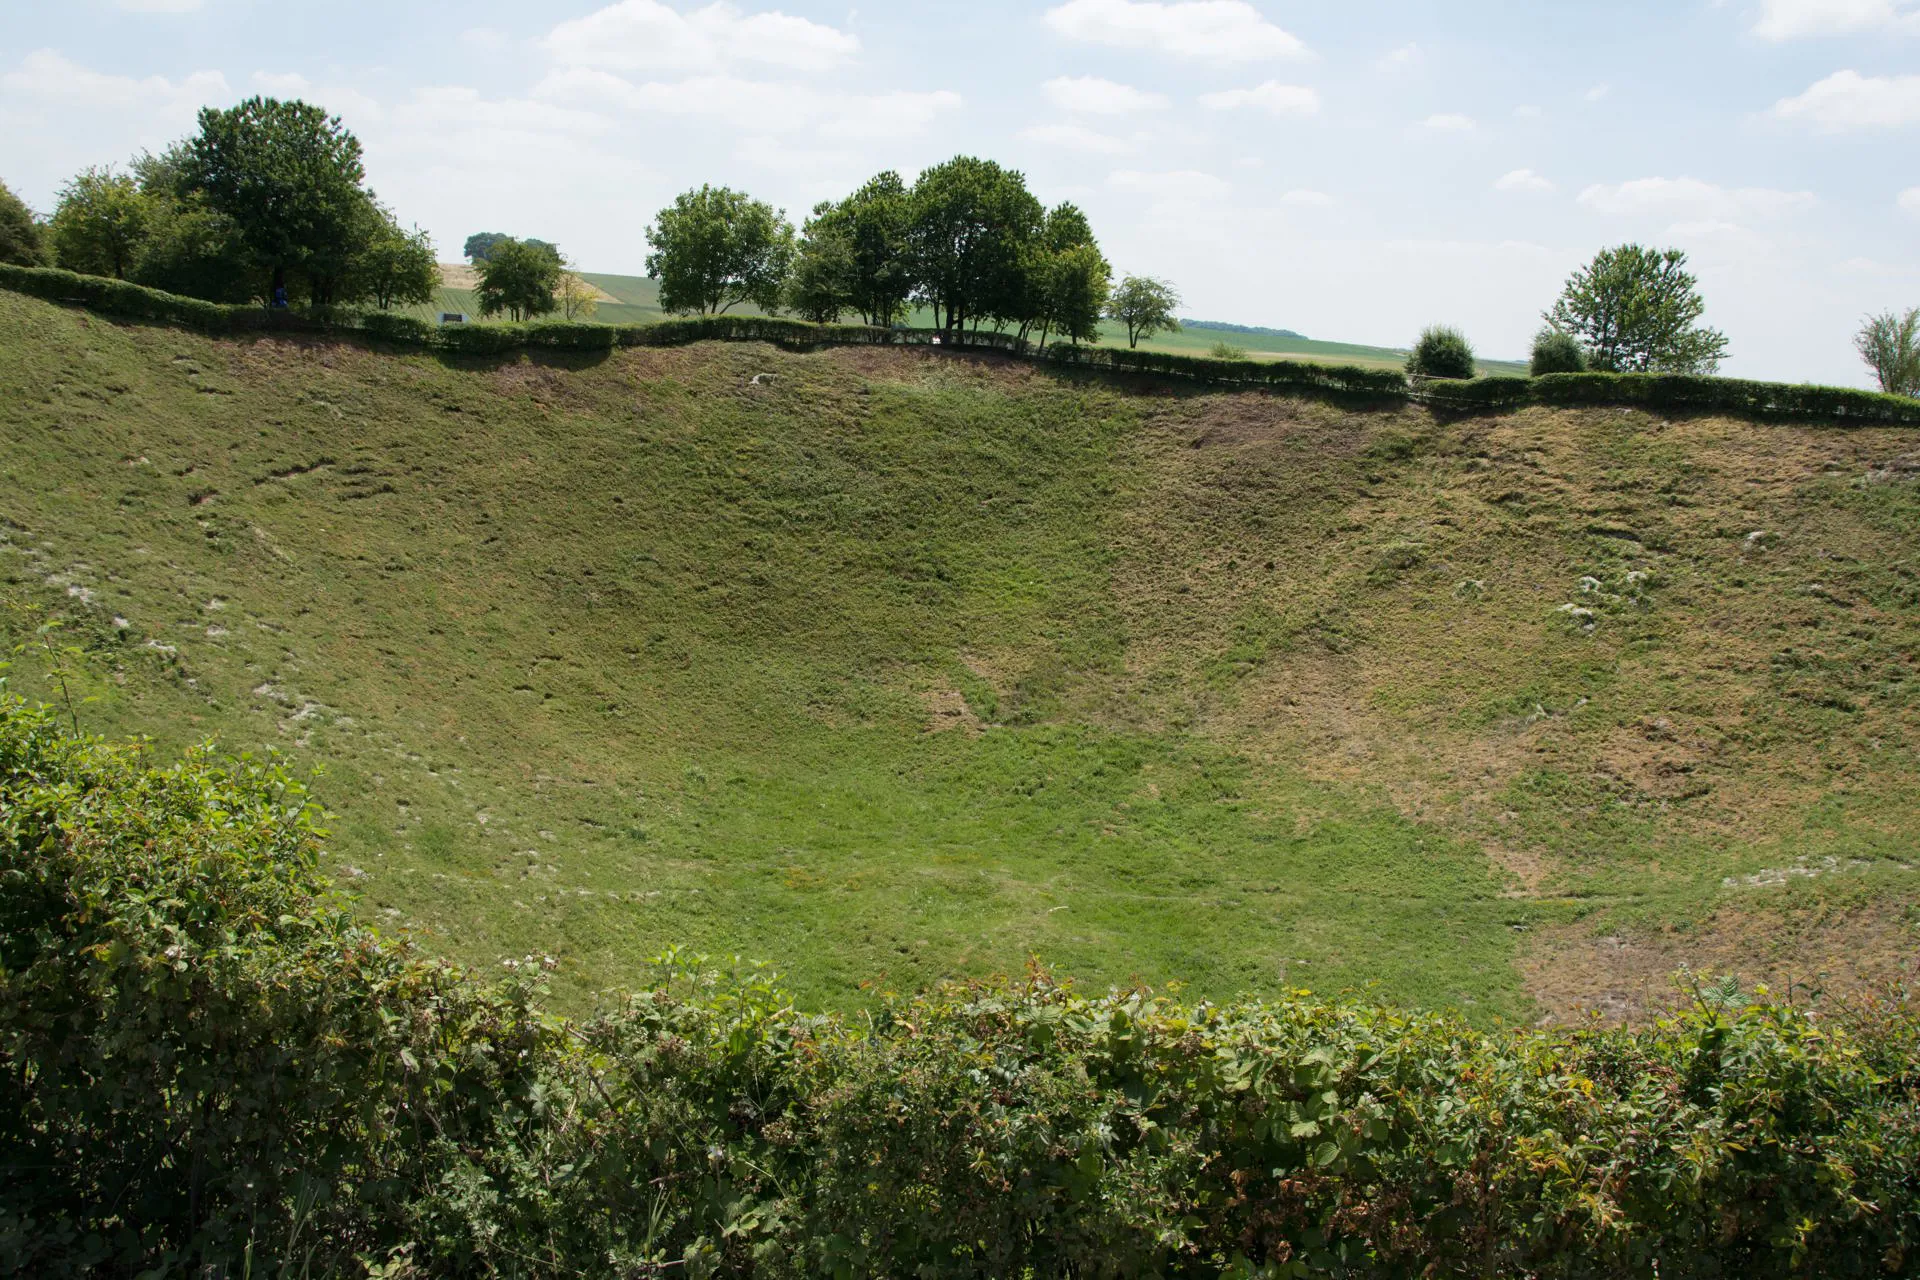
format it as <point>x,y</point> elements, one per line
<point>1351,169</point>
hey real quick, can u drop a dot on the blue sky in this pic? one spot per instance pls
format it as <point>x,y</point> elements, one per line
<point>1353,170</point>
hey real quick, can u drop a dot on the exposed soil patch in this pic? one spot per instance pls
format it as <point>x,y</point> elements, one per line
<point>1576,975</point>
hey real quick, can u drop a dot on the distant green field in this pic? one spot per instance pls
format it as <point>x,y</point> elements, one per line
<point>640,304</point>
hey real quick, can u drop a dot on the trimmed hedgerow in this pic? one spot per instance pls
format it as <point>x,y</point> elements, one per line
<point>1678,393</point>
<point>208,1066</point>
<point>1666,392</point>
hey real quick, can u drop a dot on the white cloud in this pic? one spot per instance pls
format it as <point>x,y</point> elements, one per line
<point>351,105</point>
<point>1448,122</point>
<point>45,76</point>
<point>756,107</point>
<point>1073,137</point>
<point>1220,30</point>
<point>1849,100</point>
<point>637,35</point>
<point>159,6</point>
<point>1175,185</point>
<point>485,40</point>
<point>1304,199</point>
<point>1794,19</point>
<point>1910,201</point>
<point>1093,96</point>
<point>1523,180</point>
<point>1272,97</point>
<point>1407,55</point>
<point>1599,92</point>
<point>1699,204</point>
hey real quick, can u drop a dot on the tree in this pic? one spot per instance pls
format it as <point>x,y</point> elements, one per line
<point>20,235</point>
<point>969,229</point>
<point>577,299</point>
<point>1145,306</point>
<point>479,246</point>
<point>288,175</point>
<point>1071,281</point>
<point>1636,310</point>
<point>716,248</point>
<point>1556,351</point>
<point>874,224</point>
<point>1078,288</point>
<point>102,223</point>
<point>520,278</point>
<point>821,286</point>
<point>394,267</point>
<point>190,249</point>
<point>1890,344</point>
<point>1442,353</point>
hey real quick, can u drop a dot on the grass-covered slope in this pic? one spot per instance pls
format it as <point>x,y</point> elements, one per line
<point>885,667</point>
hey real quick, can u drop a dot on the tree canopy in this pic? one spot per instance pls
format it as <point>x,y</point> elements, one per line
<point>393,267</point>
<point>20,243</point>
<point>289,177</point>
<point>520,278</point>
<point>970,222</point>
<point>102,224</point>
<point>1890,344</point>
<point>1145,306</point>
<point>1637,310</point>
<point>716,248</point>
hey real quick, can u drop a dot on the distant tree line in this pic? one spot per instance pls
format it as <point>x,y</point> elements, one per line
<point>267,201</point>
<point>967,240</point>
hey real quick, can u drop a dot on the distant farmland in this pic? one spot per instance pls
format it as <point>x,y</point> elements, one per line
<point>638,302</point>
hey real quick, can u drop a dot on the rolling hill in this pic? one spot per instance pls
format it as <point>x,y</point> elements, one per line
<point>885,665</point>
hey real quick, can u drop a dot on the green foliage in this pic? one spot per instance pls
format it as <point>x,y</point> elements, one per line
<point>1890,344</point>
<point>1441,352</point>
<point>1681,393</point>
<point>822,285</point>
<point>1224,350</point>
<point>970,225</point>
<point>479,246</point>
<point>716,248</point>
<point>207,1064</point>
<point>287,176</point>
<point>1637,310</point>
<point>392,267</point>
<point>1556,351</point>
<point>191,249</point>
<point>1145,306</point>
<point>21,243</point>
<point>102,224</point>
<point>519,277</point>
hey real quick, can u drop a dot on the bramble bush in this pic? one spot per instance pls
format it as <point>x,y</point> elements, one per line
<point>210,1066</point>
<point>1441,353</point>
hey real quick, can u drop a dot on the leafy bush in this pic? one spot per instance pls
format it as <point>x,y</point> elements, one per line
<point>1227,351</point>
<point>1557,351</point>
<point>1441,353</point>
<point>208,1066</point>
<point>397,329</point>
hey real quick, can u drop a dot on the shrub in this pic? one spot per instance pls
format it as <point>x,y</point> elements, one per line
<point>1227,351</point>
<point>1556,351</point>
<point>1441,353</point>
<point>208,1066</point>
<point>22,239</point>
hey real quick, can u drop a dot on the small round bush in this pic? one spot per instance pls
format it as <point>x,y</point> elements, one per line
<point>1557,351</point>
<point>1442,353</point>
<point>1227,351</point>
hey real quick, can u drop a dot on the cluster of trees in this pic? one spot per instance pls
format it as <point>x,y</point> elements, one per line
<point>1631,310</point>
<point>967,240</point>
<point>266,201</point>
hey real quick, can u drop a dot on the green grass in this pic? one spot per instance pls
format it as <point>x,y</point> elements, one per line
<point>898,667</point>
<point>639,303</point>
